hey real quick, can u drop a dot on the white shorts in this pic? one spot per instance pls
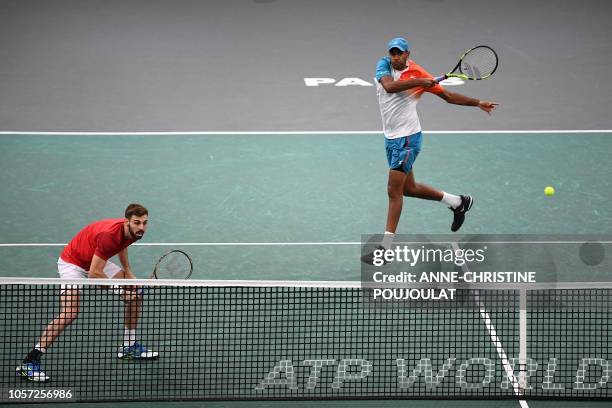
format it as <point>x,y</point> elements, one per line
<point>70,271</point>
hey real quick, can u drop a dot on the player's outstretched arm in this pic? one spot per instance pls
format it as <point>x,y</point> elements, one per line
<point>459,99</point>
<point>393,86</point>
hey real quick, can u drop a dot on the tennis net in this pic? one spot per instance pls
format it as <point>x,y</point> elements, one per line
<point>234,340</point>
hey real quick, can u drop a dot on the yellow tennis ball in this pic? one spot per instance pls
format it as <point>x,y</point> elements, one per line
<point>549,191</point>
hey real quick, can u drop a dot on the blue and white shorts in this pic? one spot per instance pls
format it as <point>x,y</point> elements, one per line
<point>403,151</point>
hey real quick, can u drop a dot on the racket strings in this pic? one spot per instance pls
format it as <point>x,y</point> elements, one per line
<point>174,265</point>
<point>479,63</point>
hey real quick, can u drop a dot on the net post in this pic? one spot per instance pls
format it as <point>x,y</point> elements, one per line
<point>522,375</point>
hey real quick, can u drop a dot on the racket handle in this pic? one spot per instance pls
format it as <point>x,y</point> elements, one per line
<point>440,78</point>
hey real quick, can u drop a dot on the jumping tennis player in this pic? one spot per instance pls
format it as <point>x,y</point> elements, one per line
<point>400,83</point>
<point>87,256</point>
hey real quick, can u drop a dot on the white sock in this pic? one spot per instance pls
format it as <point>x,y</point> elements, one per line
<point>41,349</point>
<point>388,239</point>
<point>129,337</point>
<point>451,200</point>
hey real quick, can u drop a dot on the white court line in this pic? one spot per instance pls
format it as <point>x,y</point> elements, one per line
<point>496,340</point>
<point>23,245</point>
<point>338,243</point>
<point>291,132</point>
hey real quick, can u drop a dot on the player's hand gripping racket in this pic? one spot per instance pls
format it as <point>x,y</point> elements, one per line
<point>475,64</point>
<point>174,264</point>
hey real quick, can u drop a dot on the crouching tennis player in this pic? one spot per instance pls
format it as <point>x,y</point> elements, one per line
<point>87,256</point>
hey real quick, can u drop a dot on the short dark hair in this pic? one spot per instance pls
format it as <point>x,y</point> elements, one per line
<point>135,209</point>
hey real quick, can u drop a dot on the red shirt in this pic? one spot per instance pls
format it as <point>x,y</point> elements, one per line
<point>103,238</point>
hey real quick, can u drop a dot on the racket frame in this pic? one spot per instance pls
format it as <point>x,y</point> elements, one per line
<point>461,75</point>
<point>161,258</point>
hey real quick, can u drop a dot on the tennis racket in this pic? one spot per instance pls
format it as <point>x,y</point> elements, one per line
<point>475,64</point>
<point>174,264</point>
